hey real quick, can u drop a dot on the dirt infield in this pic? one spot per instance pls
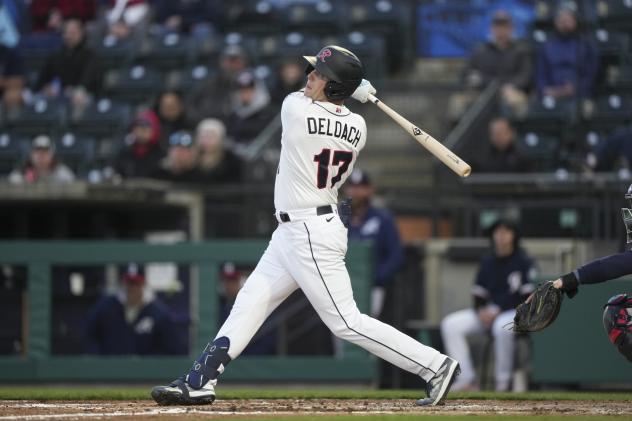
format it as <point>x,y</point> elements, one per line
<point>133,410</point>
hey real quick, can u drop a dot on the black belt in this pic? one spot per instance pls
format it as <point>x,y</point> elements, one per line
<point>321,210</point>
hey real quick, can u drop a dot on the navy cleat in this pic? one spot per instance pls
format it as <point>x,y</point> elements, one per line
<point>439,386</point>
<point>179,392</point>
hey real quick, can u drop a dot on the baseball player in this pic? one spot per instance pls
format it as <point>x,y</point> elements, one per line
<point>617,317</point>
<point>320,142</point>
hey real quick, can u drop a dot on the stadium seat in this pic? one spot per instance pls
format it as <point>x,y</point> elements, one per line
<point>545,12</point>
<point>272,49</point>
<point>76,152</point>
<point>36,48</point>
<point>13,151</point>
<point>136,84</point>
<point>189,77</point>
<point>165,52</point>
<point>322,17</point>
<point>548,115</point>
<point>541,149</point>
<point>115,53</point>
<point>102,118</point>
<point>251,16</point>
<point>609,111</point>
<point>42,116</point>
<point>613,46</point>
<point>370,49</point>
<point>614,14</point>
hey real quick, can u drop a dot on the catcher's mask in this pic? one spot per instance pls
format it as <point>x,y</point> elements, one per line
<point>343,69</point>
<point>626,214</point>
<point>617,320</point>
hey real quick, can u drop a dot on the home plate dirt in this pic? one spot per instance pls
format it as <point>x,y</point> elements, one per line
<point>133,410</point>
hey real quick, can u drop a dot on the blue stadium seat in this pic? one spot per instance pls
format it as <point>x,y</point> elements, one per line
<point>13,151</point>
<point>103,118</point>
<point>321,17</point>
<point>252,16</point>
<point>36,48</point>
<point>136,84</point>
<point>614,14</point>
<point>548,115</point>
<point>165,52</point>
<point>76,152</point>
<point>189,77</point>
<point>541,149</point>
<point>42,116</point>
<point>613,46</point>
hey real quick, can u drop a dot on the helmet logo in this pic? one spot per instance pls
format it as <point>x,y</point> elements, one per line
<point>324,54</point>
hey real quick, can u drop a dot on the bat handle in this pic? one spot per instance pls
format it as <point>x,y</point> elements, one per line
<point>373,99</point>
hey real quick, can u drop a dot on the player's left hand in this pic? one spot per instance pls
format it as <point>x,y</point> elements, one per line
<point>363,91</point>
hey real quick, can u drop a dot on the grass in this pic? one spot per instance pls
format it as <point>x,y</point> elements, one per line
<point>56,392</point>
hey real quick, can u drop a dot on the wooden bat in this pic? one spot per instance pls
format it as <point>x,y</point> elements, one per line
<point>444,154</point>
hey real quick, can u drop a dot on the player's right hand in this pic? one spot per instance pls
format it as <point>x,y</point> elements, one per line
<point>363,91</point>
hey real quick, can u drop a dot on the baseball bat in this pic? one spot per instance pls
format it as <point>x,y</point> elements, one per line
<point>444,154</point>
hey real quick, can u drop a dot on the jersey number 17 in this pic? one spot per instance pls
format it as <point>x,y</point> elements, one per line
<point>341,159</point>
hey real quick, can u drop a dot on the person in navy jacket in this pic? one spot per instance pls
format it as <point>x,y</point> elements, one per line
<point>132,322</point>
<point>503,281</point>
<point>370,223</point>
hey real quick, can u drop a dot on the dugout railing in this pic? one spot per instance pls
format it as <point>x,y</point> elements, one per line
<point>38,364</point>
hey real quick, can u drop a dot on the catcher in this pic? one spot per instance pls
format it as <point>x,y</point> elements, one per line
<point>542,307</point>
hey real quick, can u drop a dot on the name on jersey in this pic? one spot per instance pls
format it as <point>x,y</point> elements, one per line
<point>333,128</point>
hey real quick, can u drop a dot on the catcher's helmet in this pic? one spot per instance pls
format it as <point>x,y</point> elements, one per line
<point>343,69</point>
<point>617,320</point>
<point>626,214</point>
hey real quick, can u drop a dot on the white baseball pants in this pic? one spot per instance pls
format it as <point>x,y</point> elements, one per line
<point>454,329</point>
<point>308,253</point>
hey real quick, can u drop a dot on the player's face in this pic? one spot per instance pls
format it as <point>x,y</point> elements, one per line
<point>315,88</point>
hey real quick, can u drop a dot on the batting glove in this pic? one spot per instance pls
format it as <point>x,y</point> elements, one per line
<point>363,91</point>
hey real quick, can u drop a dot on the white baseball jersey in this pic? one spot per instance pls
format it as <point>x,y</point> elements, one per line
<point>319,147</point>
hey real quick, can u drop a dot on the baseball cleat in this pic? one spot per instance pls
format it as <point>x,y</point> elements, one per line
<point>179,392</point>
<point>439,386</point>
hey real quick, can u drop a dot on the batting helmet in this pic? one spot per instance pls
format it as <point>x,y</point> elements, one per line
<point>617,320</point>
<point>343,69</point>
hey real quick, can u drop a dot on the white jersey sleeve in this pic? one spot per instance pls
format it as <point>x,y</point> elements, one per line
<point>319,147</point>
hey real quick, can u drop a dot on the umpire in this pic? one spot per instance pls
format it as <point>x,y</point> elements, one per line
<point>503,281</point>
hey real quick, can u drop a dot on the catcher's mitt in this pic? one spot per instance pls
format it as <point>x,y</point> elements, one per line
<point>539,310</point>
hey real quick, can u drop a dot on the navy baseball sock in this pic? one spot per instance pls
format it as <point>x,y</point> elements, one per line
<point>210,363</point>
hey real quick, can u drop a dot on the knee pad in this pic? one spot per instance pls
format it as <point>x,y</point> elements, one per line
<point>210,363</point>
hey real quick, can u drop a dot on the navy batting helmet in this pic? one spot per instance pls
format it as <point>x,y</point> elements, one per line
<point>617,320</point>
<point>343,69</point>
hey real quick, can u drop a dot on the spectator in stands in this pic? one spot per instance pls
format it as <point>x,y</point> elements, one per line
<point>232,280</point>
<point>503,59</point>
<point>74,70</point>
<point>251,109</point>
<point>42,165</point>
<point>613,152</point>
<point>133,321</point>
<point>291,78</point>
<point>141,155</point>
<point>127,18</point>
<point>567,62</point>
<point>180,165</point>
<point>216,162</point>
<point>49,15</point>
<point>186,16</point>
<point>378,226</point>
<point>170,110</point>
<point>501,154</point>
<point>503,281</point>
<point>208,99</point>
<point>12,76</point>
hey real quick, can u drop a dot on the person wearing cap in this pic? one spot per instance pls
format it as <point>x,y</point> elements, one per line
<point>369,223</point>
<point>251,109</point>
<point>232,280</point>
<point>42,165</point>
<point>209,98</point>
<point>503,59</point>
<point>567,63</point>
<point>180,165</point>
<point>216,162</point>
<point>132,321</point>
<point>141,153</point>
<point>504,279</point>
